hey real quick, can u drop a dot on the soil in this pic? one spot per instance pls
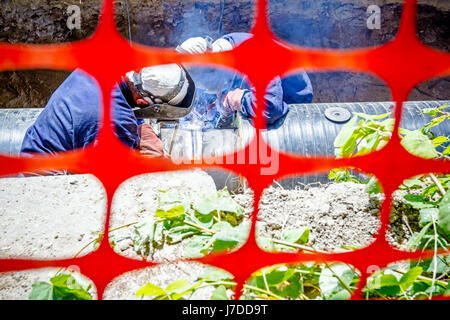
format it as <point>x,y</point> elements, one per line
<point>125,286</point>
<point>17,285</point>
<point>337,214</point>
<point>168,23</point>
<point>137,200</point>
<point>49,217</point>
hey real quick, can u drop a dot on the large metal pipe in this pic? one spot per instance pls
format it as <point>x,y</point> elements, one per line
<point>308,129</point>
<point>13,125</point>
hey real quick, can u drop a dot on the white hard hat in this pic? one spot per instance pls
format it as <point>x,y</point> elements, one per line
<point>163,83</point>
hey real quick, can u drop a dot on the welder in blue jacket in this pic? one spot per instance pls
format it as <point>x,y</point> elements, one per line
<point>71,117</point>
<point>280,93</point>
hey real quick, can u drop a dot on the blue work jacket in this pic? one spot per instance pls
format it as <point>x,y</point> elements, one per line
<point>71,118</point>
<point>280,93</point>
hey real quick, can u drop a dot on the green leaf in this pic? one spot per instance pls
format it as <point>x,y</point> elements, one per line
<point>65,293</point>
<point>198,246</point>
<point>331,287</point>
<point>419,144</point>
<point>265,243</point>
<point>297,235</point>
<point>373,186</point>
<point>345,133</point>
<point>143,236</point>
<point>413,182</point>
<point>226,202</point>
<point>389,285</point>
<point>416,238</point>
<point>61,287</point>
<point>215,274</point>
<point>176,234</point>
<point>427,215</point>
<point>369,143</point>
<point>408,278</point>
<point>206,204</point>
<point>433,111</point>
<point>372,117</point>
<point>279,275</point>
<point>66,287</point>
<point>150,290</point>
<point>205,221</point>
<point>442,264</point>
<point>447,150</point>
<point>385,284</point>
<point>274,277</point>
<point>436,121</point>
<point>170,213</point>
<point>220,201</point>
<point>439,140</point>
<point>177,286</point>
<point>220,293</point>
<point>41,291</point>
<point>339,175</point>
<point>158,235</point>
<point>225,238</point>
<point>349,147</point>
<point>417,201</point>
<point>240,232</point>
<point>60,280</point>
<point>403,131</point>
<point>294,288</point>
<point>444,213</point>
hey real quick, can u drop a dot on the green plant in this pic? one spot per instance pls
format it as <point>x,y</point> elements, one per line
<point>179,289</point>
<point>64,286</point>
<point>301,281</point>
<point>428,194</point>
<point>212,222</point>
<point>407,282</point>
<point>69,285</point>
<point>372,132</point>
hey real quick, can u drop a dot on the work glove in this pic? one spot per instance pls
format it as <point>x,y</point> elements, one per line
<point>149,144</point>
<point>221,45</point>
<point>193,45</point>
<point>232,101</point>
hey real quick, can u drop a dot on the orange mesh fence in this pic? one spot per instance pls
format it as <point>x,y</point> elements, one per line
<point>402,64</point>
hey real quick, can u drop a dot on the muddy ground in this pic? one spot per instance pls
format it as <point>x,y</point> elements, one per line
<point>337,214</point>
<point>323,23</point>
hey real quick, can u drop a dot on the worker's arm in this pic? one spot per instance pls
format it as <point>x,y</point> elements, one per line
<point>124,121</point>
<point>276,108</point>
<point>280,93</point>
<point>52,131</point>
<point>149,143</point>
<point>297,88</point>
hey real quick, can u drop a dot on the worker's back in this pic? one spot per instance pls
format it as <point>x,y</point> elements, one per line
<point>70,120</point>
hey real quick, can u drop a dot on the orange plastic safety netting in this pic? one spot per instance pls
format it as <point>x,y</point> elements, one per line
<point>402,64</point>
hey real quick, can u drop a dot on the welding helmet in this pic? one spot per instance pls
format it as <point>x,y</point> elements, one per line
<point>168,88</point>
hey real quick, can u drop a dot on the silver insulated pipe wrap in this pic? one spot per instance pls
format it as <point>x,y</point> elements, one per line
<point>309,132</point>
<point>13,125</point>
<point>308,129</point>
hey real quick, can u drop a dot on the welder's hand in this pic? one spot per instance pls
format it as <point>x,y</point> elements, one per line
<point>193,45</point>
<point>232,101</point>
<point>221,45</point>
<point>149,143</point>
